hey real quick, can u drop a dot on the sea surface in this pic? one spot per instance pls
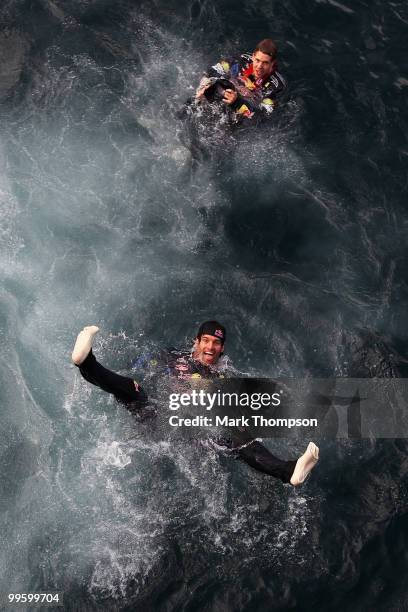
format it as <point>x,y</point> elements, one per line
<point>294,235</point>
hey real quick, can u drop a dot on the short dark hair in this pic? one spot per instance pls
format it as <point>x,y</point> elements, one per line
<point>268,46</point>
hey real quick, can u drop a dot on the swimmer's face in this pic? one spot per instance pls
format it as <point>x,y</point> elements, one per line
<point>263,64</point>
<point>208,349</point>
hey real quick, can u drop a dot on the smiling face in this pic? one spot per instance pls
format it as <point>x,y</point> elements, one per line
<point>263,64</point>
<point>208,349</point>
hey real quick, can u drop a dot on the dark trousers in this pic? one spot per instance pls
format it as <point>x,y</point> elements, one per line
<point>122,387</point>
<point>259,457</point>
<point>124,390</point>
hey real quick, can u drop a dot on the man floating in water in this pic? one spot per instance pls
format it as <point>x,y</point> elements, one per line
<point>234,92</point>
<point>248,86</point>
<point>203,361</point>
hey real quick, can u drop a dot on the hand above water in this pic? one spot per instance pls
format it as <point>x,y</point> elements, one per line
<point>230,96</point>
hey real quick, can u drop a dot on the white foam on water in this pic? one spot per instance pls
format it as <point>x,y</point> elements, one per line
<point>99,224</point>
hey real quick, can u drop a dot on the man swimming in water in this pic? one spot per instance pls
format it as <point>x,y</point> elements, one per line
<point>248,85</point>
<point>202,362</point>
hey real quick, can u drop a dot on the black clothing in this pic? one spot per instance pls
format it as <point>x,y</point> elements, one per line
<point>181,365</point>
<point>256,98</point>
<point>209,123</point>
<point>255,454</point>
<point>123,388</point>
<point>261,459</point>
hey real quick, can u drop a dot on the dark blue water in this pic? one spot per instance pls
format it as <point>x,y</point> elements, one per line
<point>294,236</point>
